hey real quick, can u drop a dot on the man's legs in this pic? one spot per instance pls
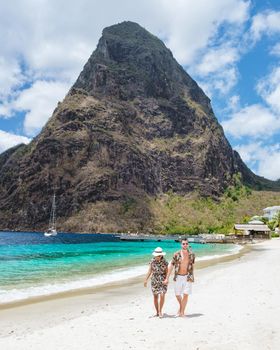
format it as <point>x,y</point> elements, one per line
<point>179,298</point>
<point>178,293</point>
<point>184,304</point>
<point>182,300</point>
<point>187,290</point>
<point>156,304</point>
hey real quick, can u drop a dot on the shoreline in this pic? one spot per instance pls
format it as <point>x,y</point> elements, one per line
<point>163,236</point>
<point>231,308</point>
<point>200,264</point>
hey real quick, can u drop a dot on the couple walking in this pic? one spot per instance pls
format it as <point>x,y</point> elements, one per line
<point>160,270</point>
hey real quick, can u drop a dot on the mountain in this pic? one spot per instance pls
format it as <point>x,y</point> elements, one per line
<point>134,126</point>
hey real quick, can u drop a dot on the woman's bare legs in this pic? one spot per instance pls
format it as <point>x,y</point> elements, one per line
<point>161,302</point>
<point>156,304</point>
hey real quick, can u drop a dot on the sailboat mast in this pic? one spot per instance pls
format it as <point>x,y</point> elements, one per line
<point>53,213</point>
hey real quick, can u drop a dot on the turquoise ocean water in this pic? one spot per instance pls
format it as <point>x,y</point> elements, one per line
<point>34,265</point>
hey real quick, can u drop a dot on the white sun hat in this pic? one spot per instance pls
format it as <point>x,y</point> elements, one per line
<point>158,251</point>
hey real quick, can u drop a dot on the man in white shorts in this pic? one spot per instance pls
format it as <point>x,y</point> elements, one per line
<point>183,261</point>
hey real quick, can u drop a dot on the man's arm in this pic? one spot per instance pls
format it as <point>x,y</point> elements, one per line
<point>190,277</point>
<point>169,271</point>
<point>192,256</point>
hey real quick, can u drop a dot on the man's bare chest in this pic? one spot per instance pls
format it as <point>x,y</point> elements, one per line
<point>184,260</point>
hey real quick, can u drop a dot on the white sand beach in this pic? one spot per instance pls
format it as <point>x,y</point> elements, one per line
<point>235,305</point>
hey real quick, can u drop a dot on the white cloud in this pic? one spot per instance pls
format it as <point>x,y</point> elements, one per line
<point>265,159</point>
<point>5,110</point>
<point>49,60</point>
<point>269,166</point>
<point>216,59</point>
<point>258,121</point>
<point>234,103</point>
<point>255,121</point>
<point>8,140</point>
<point>55,43</point>
<point>186,35</point>
<point>221,82</point>
<point>59,39</point>
<point>275,50</point>
<point>224,81</point>
<point>266,23</point>
<point>216,68</point>
<point>10,76</point>
<point>39,102</point>
<point>269,89</point>
<point>212,56</point>
<point>216,65</point>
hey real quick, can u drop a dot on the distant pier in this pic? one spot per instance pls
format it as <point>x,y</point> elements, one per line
<point>202,238</point>
<point>157,238</point>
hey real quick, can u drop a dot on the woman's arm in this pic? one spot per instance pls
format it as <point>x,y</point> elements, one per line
<point>168,272</point>
<point>148,275</point>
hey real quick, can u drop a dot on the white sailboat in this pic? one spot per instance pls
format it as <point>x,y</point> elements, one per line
<point>52,224</point>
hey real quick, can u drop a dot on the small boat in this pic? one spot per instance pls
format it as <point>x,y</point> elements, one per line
<point>51,231</point>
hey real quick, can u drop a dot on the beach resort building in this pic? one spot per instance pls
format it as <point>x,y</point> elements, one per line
<point>270,212</point>
<point>254,229</point>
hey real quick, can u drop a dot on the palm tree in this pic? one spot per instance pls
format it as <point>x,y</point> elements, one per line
<point>275,222</point>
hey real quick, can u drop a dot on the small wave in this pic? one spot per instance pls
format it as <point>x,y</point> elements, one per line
<point>235,250</point>
<point>11,295</point>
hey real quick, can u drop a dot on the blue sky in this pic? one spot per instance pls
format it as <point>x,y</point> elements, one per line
<point>230,47</point>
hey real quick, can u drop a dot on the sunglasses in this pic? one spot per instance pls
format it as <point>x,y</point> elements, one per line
<point>185,243</point>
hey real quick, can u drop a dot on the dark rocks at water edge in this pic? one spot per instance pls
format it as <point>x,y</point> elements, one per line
<point>135,125</point>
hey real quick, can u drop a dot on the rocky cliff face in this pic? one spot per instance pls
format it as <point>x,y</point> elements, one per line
<point>133,125</point>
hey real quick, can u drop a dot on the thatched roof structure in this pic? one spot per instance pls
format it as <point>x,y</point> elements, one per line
<point>252,227</point>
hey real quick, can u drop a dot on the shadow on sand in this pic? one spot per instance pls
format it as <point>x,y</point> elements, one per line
<point>194,315</point>
<point>187,316</point>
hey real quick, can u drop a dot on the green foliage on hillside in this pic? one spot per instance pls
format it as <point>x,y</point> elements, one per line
<point>237,190</point>
<point>172,214</point>
<point>129,204</point>
<point>176,214</point>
